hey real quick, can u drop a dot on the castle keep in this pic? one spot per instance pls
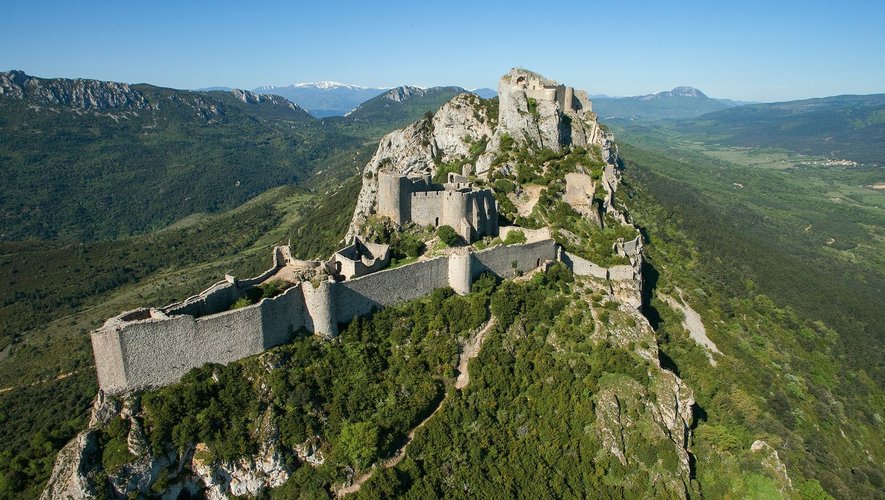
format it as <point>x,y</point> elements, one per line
<point>568,99</point>
<point>472,213</point>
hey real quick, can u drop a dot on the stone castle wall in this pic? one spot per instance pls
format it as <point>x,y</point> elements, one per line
<point>151,347</point>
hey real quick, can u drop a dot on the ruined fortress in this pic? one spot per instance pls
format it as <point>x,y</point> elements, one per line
<point>151,347</point>
<point>568,99</point>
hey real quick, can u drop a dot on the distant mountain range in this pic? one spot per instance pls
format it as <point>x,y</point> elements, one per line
<point>679,103</point>
<point>485,93</point>
<point>843,127</point>
<point>326,98</point>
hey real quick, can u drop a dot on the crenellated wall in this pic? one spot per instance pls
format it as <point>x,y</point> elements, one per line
<point>154,347</point>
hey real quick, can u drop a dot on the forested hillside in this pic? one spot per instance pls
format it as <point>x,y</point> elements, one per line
<point>86,160</point>
<point>783,263</point>
<point>842,127</point>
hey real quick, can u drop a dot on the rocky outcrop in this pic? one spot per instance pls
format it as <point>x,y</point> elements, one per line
<point>78,472</point>
<point>538,111</point>
<point>772,463</point>
<point>532,110</point>
<point>458,125</point>
<point>81,94</point>
<point>102,97</point>
<point>626,279</point>
<point>632,419</point>
<point>74,465</point>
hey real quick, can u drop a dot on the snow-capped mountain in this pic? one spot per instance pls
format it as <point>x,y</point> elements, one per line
<point>324,98</point>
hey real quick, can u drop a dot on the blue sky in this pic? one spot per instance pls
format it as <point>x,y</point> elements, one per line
<point>749,50</point>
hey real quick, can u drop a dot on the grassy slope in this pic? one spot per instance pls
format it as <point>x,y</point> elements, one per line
<point>794,316</point>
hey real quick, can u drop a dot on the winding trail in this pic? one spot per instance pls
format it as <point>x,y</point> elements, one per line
<point>61,376</point>
<point>471,350</point>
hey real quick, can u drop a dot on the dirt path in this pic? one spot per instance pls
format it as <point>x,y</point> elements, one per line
<point>471,349</point>
<point>61,376</point>
<point>695,326</point>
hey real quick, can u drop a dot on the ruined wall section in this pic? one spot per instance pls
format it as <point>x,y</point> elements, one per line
<point>159,350</point>
<point>363,295</point>
<point>427,209</point>
<point>583,267</point>
<point>506,260</point>
<point>147,348</point>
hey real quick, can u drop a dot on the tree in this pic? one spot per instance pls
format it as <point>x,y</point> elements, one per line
<point>358,444</point>
<point>448,236</point>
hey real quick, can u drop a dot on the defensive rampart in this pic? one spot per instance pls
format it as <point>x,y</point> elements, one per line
<point>154,347</point>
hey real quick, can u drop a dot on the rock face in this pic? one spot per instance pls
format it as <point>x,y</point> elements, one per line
<point>460,123</point>
<point>632,419</point>
<point>70,476</point>
<point>539,111</point>
<point>78,471</point>
<point>82,94</point>
<point>532,110</point>
<point>100,96</point>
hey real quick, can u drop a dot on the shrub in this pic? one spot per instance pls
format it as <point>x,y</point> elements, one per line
<point>241,302</point>
<point>448,235</point>
<point>514,238</point>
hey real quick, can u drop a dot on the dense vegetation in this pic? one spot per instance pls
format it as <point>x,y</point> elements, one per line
<point>355,397</point>
<point>792,314</point>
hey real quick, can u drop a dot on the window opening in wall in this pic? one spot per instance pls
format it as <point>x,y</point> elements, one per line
<point>338,267</point>
<point>538,264</point>
<point>436,222</point>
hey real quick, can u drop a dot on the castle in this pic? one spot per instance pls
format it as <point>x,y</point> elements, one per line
<point>472,213</point>
<point>568,99</point>
<point>151,347</point>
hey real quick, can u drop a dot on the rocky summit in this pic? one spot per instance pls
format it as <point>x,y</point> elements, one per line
<point>539,131</point>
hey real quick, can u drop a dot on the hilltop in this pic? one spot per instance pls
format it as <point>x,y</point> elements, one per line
<point>501,150</point>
